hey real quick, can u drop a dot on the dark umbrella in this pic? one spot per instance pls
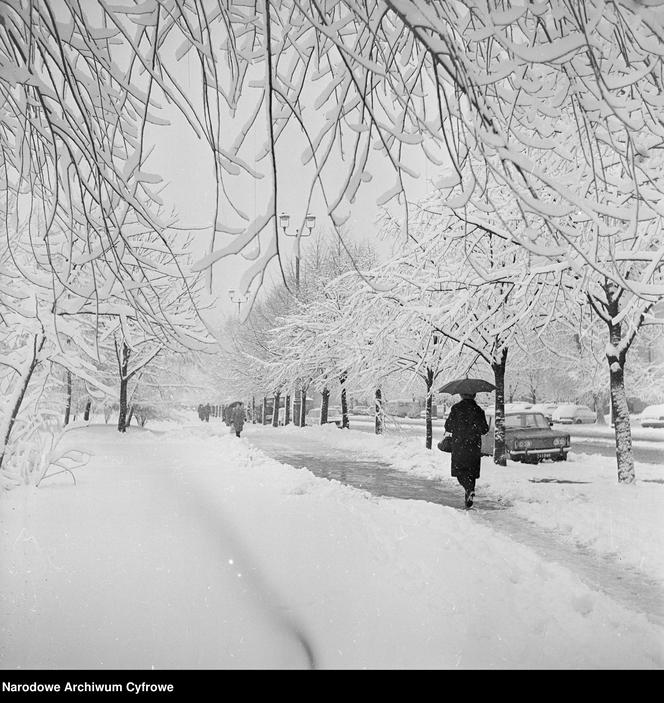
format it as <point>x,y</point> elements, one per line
<point>467,385</point>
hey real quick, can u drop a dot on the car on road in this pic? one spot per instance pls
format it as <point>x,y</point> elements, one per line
<point>528,438</point>
<point>518,405</point>
<point>333,416</point>
<point>571,414</point>
<point>361,410</point>
<point>547,409</point>
<point>652,416</point>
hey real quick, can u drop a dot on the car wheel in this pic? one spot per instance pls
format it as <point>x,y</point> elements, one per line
<point>578,421</point>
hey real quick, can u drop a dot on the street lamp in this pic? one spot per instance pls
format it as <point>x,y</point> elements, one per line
<point>309,223</point>
<point>238,298</point>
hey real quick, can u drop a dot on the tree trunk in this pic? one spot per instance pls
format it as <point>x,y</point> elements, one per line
<point>67,397</point>
<point>379,411</point>
<point>19,393</point>
<point>287,410</point>
<point>275,412</point>
<point>622,426</point>
<point>599,413</point>
<point>616,355</point>
<point>499,449</point>
<point>325,405</point>
<point>264,413</point>
<point>429,401</point>
<point>303,406</point>
<point>344,403</point>
<point>253,410</point>
<point>122,416</point>
<point>130,415</point>
<point>124,382</point>
<point>612,415</point>
<point>88,406</point>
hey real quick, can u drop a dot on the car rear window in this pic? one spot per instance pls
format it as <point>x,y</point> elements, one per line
<point>535,420</point>
<point>524,420</point>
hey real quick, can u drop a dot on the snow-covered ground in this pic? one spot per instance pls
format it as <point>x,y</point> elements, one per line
<point>182,546</point>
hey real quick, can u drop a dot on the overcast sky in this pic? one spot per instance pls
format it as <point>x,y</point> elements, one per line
<point>184,162</point>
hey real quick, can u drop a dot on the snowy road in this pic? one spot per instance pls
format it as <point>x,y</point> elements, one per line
<point>648,445</point>
<point>628,586</point>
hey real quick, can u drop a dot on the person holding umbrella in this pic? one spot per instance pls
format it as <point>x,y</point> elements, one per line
<point>467,423</point>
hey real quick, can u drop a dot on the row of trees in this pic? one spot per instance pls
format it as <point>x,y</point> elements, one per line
<point>540,124</point>
<point>544,123</point>
<point>95,285</point>
<point>452,303</point>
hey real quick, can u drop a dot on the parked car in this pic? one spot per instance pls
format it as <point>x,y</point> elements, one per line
<point>652,416</point>
<point>402,408</point>
<point>573,414</point>
<point>362,410</point>
<point>518,405</point>
<point>333,416</point>
<point>528,438</point>
<point>547,409</point>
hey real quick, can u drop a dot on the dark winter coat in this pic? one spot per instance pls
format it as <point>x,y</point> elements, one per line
<point>467,423</point>
<point>237,418</point>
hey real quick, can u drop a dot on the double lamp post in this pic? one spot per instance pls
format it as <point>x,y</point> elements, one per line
<point>309,223</point>
<point>284,220</point>
<point>299,405</point>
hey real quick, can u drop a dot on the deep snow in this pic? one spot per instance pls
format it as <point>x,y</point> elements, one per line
<point>182,546</point>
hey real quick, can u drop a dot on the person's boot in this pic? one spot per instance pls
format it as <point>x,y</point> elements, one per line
<point>470,497</point>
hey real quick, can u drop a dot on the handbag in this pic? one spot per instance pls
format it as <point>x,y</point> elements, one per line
<point>445,444</point>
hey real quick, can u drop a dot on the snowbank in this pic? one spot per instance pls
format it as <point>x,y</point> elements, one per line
<point>580,499</point>
<point>192,549</point>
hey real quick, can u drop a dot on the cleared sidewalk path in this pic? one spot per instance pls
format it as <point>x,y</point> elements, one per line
<point>626,585</point>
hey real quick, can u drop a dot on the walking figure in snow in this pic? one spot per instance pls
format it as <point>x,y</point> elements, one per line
<point>467,423</point>
<point>237,419</point>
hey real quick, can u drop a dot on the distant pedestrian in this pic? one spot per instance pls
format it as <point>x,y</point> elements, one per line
<point>237,419</point>
<point>206,412</point>
<point>228,416</point>
<point>467,423</point>
<point>201,411</point>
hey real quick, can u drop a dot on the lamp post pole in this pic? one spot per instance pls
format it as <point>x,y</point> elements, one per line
<point>309,223</point>
<point>237,298</point>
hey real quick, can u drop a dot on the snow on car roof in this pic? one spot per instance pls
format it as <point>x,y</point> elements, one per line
<point>653,410</point>
<point>514,411</point>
